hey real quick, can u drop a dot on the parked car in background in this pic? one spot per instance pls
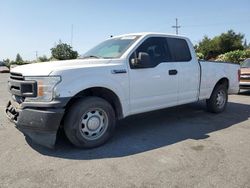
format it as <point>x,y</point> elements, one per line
<point>245,75</point>
<point>3,68</point>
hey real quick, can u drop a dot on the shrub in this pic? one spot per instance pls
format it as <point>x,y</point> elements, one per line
<point>236,56</point>
<point>200,56</point>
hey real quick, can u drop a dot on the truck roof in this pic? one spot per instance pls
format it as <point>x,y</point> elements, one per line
<point>151,34</point>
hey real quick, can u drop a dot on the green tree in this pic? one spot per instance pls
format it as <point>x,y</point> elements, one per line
<point>63,51</point>
<point>43,58</point>
<point>19,59</point>
<point>245,44</point>
<point>209,47</point>
<point>6,62</point>
<point>226,42</point>
<point>231,41</point>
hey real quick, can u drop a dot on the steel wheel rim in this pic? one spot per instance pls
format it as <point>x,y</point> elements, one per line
<point>93,124</point>
<point>221,99</point>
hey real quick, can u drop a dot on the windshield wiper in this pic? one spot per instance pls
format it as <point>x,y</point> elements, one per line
<point>91,56</point>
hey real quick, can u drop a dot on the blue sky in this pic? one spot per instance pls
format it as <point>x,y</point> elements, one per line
<point>28,26</point>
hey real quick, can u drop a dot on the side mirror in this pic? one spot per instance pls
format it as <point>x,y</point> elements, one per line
<point>143,61</point>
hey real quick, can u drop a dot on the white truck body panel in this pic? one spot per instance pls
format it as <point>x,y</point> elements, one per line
<point>212,72</point>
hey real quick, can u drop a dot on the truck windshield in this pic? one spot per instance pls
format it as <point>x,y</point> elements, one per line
<point>112,48</point>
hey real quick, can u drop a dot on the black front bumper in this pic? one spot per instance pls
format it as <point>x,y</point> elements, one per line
<point>39,124</point>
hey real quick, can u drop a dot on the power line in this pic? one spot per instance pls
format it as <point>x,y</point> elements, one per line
<point>176,26</point>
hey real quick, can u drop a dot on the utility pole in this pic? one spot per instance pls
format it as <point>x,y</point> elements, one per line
<point>176,26</point>
<point>71,39</point>
<point>36,55</point>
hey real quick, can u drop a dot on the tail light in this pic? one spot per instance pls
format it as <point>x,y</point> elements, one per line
<point>239,75</point>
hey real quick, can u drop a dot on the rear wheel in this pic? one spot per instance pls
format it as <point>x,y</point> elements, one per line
<point>218,100</point>
<point>90,122</point>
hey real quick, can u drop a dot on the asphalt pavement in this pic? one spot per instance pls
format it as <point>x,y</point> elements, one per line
<point>178,147</point>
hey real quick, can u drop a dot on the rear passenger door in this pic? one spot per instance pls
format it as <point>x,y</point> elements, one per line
<point>188,69</point>
<point>155,86</point>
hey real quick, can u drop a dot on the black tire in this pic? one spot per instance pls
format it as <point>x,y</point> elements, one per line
<point>212,103</point>
<point>76,128</point>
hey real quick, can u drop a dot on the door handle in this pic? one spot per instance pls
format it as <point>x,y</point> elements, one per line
<point>172,72</point>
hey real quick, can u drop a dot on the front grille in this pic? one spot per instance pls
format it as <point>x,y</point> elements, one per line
<point>19,87</point>
<point>16,76</point>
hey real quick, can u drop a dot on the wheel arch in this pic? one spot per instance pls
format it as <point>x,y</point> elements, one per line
<point>102,92</point>
<point>222,81</point>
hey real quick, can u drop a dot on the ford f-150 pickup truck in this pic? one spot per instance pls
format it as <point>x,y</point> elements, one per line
<point>122,76</point>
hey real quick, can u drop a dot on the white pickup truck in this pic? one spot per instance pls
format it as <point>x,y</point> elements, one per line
<point>122,76</point>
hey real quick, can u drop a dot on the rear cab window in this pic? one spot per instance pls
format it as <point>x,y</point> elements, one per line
<point>179,49</point>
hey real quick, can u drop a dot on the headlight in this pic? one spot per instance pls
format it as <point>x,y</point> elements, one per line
<point>45,88</point>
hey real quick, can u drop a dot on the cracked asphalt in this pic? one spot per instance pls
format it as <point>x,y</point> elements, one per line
<point>178,147</point>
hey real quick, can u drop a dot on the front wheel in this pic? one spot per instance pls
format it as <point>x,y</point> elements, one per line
<point>90,122</point>
<point>218,100</point>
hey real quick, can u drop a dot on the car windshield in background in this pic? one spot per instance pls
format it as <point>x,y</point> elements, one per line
<point>112,48</point>
<point>246,63</point>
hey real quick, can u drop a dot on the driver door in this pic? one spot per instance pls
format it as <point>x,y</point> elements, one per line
<point>154,86</point>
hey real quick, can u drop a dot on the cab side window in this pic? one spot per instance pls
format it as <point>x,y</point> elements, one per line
<point>156,48</point>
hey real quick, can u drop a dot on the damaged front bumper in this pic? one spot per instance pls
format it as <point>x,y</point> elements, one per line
<point>40,124</point>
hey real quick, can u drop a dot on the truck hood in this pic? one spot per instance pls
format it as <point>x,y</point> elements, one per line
<point>46,68</point>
